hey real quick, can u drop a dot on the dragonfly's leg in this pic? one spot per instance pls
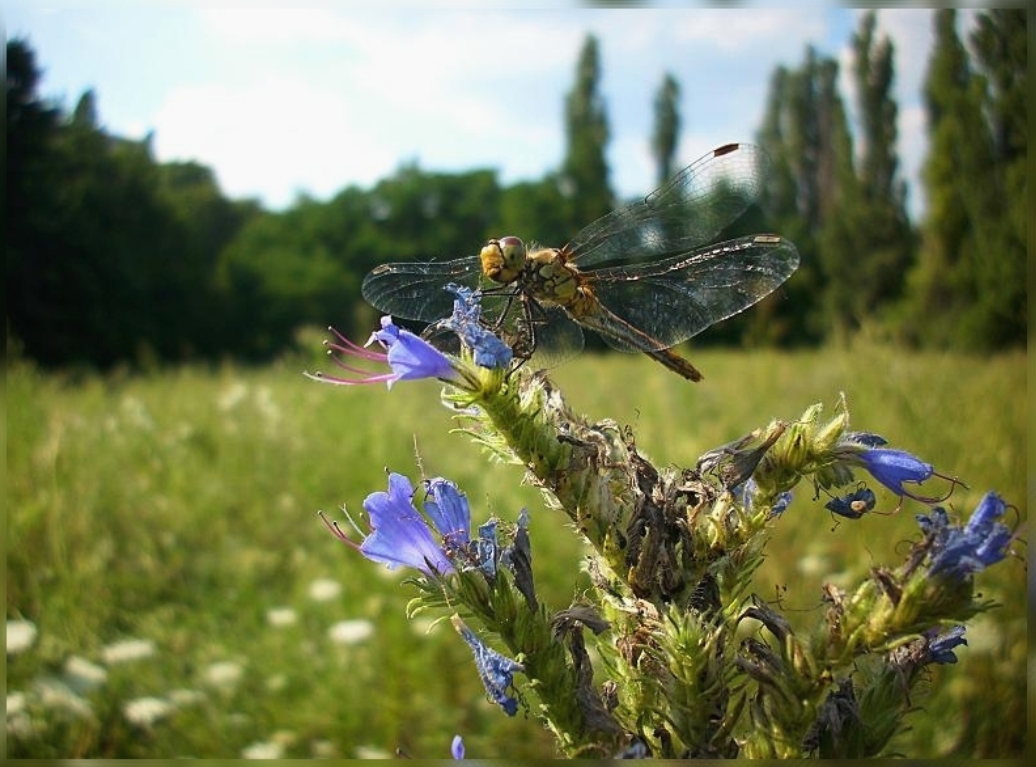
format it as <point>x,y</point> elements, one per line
<point>525,342</point>
<point>498,323</point>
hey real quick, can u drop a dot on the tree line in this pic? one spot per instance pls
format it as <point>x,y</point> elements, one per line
<point>113,257</point>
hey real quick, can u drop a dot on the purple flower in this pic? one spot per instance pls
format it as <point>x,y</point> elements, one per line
<point>488,350</point>
<point>457,747</point>
<point>963,551</point>
<point>496,670</point>
<point>940,646</point>
<point>410,358</point>
<point>401,535</point>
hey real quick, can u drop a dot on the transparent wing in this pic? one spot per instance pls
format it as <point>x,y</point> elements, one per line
<point>417,290</point>
<point>658,305</point>
<point>688,211</point>
<point>548,333</point>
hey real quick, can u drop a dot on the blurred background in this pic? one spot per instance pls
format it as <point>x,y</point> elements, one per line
<point>193,193</point>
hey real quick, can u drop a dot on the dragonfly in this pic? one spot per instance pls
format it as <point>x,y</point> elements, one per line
<point>644,277</point>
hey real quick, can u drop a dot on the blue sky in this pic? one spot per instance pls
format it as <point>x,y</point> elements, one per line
<point>281,100</point>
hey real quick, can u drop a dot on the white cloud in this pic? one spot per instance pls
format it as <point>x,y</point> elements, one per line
<point>280,134</point>
<point>783,31</point>
<point>314,99</point>
<point>273,25</point>
<point>327,98</point>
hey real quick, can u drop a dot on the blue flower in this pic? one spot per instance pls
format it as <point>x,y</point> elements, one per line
<point>449,511</point>
<point>865,438</point>
<point>853,505</point>
<point>747,490</point>
<point>894,467</point>
<point>488,350</point>
<point>496,670</point>
<point>959,551</point>
<point>457,747</point>
<point>940,646</point>
<point>408,356</point>
<point>486,549</point>
<point>400,535</point>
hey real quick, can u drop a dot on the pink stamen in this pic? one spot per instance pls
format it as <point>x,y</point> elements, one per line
<point>336,531</point>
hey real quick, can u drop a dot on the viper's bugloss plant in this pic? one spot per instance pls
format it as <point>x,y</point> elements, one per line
<point>687,661</point>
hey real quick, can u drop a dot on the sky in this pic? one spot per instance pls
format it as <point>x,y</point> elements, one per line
<point>283,101</point>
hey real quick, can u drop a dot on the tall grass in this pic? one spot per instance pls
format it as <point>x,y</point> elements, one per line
<point>179,508</point>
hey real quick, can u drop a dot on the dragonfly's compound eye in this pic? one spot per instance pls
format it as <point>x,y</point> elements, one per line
<point>513,250</point>
<point>503,259</point>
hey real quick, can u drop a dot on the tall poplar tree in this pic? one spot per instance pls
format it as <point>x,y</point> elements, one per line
<point>666,134</point>
<point>804,132</point>
<point>870,246</point>
<point>584,172</point>
<point>959,284</point>
<point>999,42</point>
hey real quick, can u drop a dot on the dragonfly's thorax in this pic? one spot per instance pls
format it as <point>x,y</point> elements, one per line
<point>503,260</point>
<point>548,277</point>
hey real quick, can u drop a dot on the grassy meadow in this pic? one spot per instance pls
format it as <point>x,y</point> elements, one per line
<point>173,593</point>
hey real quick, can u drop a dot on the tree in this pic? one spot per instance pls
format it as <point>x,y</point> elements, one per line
<point>535,211</point>
<point>869,244</point>
<point>110,256</point>
<point>999,42</point>
<point>584,172</point>
<point>805,134</point>
<point>666,134</point>
<point>970,282</point>
<point>31,183</point>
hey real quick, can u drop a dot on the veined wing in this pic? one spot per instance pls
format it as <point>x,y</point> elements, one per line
<point>687,211</point>
<point>658,305</point>
<point>416,290</point>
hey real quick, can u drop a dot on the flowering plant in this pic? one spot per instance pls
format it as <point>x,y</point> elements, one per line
<point>689,661</point>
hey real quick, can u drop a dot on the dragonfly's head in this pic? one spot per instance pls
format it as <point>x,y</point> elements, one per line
<point>503,259</point>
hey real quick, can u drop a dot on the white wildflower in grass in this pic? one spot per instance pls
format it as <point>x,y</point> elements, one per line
<point>183,697</point>
<point>324,590</point>
<point>136,413</point>
<point>146,711</point>
<point>263,750</point>
<point>127,651</point>
<point>323,749</point>
<point>16,703</point>
<point>269,409</point>
<point>20,636</point>
<point>57,696</point>
<point>351,631</point>
<point>281,616</point>
<point>371,752</point>
<point>224,674</point>
<point>232,396</point>
<point>19,721</point>
<point>82,675</point>
<point>813,564</point>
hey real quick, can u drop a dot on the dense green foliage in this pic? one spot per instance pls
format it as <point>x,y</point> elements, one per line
<point>970,283</point>
<point>178,509</point>
<point>113,257</point>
